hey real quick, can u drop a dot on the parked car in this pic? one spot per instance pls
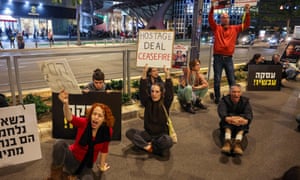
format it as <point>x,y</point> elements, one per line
<point>273,42</point>
<point>290,58</point>
<point>245,39</point>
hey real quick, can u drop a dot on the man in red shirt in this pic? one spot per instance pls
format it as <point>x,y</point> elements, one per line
<point>224,45</point>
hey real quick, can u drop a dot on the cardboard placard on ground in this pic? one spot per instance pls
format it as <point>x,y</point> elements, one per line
<point>19,137</point>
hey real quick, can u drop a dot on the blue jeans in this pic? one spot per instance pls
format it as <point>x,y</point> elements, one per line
<point>221,62</point>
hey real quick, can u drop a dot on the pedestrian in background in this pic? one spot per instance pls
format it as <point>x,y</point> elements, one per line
<point>94,133</point>
<point>20,41</point>
<point>1,46</point>
<point>12,40</point>
<point>224,45</point>
<point>50,38</point>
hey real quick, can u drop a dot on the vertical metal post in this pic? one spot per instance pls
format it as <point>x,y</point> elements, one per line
<point>10,78</point>
<point>18,82</point>
<point>197,28</point>
<point>124,70</point>
<point>184,20</point>
<point>128,74</point>
<point>209,62</point>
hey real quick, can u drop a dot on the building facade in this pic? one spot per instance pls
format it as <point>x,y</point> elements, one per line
<point>36,18</point>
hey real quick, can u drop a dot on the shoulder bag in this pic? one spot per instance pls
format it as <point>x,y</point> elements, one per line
<point>172,132</point>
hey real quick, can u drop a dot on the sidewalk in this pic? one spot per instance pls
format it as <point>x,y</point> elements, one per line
<point>273,146</point>
<point>62,41</point>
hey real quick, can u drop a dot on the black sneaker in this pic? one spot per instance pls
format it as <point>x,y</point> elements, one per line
<point>211,96</point>
<point>217,101</point>
<point>201,106</point>
<point>189,108</point>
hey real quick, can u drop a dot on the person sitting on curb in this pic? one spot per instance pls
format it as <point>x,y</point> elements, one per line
<point>155,136</point>
<point>235,114</point>
<point>190,94</point>
<point>256,59</point>
<point>153,77</point>
<point>94,133</point>
<point>98,84</point>
<point>3,101</point>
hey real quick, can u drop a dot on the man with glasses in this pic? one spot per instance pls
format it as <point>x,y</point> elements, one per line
<point>224,45</point>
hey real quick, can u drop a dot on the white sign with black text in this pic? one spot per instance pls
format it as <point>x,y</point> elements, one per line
<point>19,137</point>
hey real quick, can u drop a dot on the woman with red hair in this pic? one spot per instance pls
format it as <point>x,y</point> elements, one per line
<point>94,133</point>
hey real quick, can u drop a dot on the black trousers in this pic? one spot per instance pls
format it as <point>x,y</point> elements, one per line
<point>143,138</point>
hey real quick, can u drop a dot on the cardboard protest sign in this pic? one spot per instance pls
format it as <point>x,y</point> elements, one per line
<point>242,3</point>
<point>264,77</point>
<point>59,76</point>
<point>155,48</point>
<point>19,137</point>
<point>180,56</point>
<point>79,104</point>
<point>221,4</point>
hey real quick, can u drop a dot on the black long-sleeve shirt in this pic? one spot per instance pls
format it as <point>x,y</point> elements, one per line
<point>155,120</point>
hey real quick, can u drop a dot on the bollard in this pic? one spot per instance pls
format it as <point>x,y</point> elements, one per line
<point>36,44</point>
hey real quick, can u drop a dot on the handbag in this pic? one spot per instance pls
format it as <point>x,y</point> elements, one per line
<point>172,132</point>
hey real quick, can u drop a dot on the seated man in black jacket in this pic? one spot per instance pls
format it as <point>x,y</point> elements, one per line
<point>236,115</point>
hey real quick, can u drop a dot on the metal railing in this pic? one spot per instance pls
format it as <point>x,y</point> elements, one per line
<point>14,77</point>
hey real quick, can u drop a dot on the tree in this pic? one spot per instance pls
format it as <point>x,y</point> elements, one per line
<point>273,11</point>
<point>77,4</point>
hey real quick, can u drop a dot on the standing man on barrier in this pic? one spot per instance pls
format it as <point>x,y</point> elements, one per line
<point>225,39</point>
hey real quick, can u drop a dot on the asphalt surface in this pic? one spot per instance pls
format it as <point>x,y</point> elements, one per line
<point>273,146</point>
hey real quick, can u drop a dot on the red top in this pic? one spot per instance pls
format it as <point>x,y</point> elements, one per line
<point>80,151</point>
<point>225,39</point>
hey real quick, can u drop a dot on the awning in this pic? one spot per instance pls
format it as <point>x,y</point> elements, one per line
<point>7,18</point>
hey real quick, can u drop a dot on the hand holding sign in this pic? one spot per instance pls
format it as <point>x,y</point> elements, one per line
<point>64,97</point>
<point>155,48</point>
<point>247,8</point>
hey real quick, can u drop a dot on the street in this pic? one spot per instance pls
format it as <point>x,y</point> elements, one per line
<point>84,59</point>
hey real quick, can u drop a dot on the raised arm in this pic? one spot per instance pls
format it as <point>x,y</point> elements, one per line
<point>211,20</point>
<point>64,98</point>
<point>246,22</point>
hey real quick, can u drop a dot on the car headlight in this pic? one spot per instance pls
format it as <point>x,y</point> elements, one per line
<point>288,38</point>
